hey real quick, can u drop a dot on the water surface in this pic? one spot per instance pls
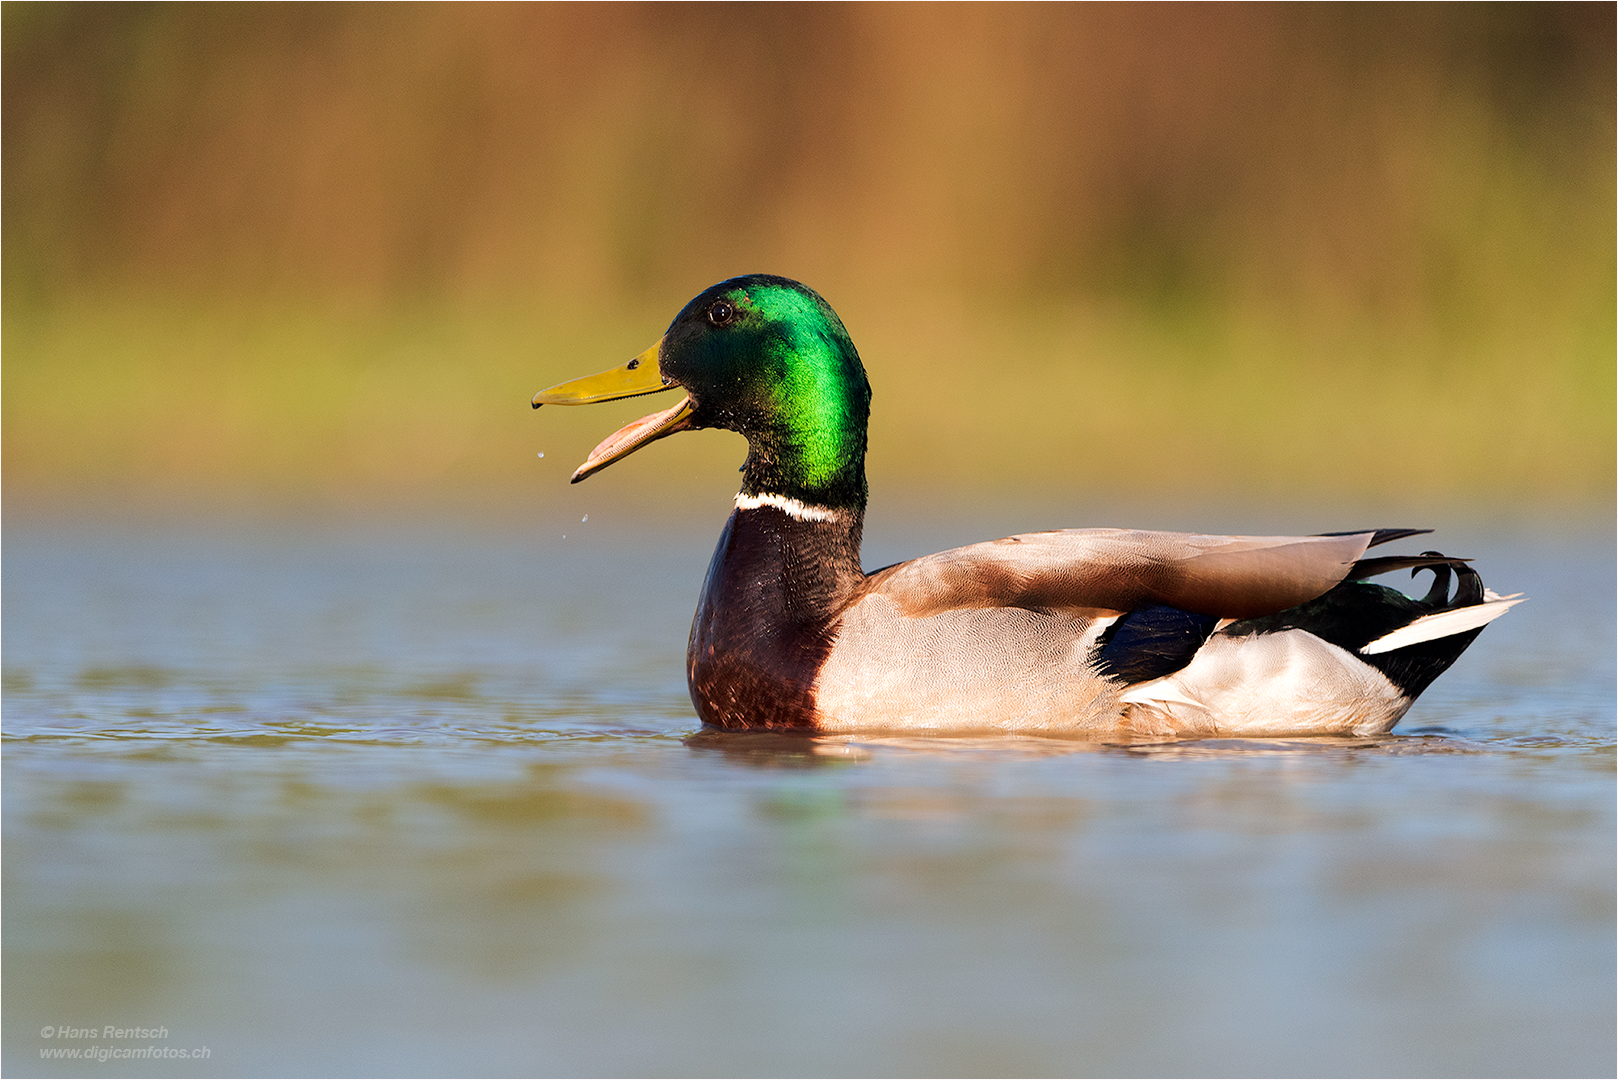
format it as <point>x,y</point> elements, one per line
<point>384,798</point>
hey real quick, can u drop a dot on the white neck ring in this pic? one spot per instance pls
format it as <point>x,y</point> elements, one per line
<point>792,508</point>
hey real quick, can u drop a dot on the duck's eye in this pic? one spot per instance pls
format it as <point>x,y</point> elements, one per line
<point>721,313</point>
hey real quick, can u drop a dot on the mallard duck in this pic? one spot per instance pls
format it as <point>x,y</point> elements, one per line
<point>1113,633</point>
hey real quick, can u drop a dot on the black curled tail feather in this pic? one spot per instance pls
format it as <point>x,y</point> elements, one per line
<point>1414,667</point>
<point>1468,591</point>
<point>1383,564</point>
<point>1439,593</point>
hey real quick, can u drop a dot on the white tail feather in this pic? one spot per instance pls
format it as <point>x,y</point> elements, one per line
<point>1441,624</point>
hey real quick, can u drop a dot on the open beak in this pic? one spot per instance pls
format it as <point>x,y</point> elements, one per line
<point>640,376</point>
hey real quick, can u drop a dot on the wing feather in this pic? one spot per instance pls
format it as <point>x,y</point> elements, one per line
<point>1232,577</point>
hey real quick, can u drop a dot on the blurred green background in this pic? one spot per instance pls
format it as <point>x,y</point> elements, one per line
<point>329,251</point>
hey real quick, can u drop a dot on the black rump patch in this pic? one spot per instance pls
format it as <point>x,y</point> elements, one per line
<point>1150,643</point>
<point>1356,613</point>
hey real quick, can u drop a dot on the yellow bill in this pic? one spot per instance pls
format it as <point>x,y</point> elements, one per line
<point>640,376</point>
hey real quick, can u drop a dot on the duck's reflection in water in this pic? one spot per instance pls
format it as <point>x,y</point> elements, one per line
<point>780,749</point>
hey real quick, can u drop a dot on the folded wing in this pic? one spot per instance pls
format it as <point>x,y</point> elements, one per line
<point>1230,577</point>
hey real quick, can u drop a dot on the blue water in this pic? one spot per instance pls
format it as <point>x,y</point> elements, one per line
<point>379,797</point>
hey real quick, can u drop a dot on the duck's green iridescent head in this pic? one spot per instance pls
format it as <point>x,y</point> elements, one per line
<point>761,355</point>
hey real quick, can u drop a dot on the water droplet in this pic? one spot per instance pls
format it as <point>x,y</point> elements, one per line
<point>542,453</point>
<point>586,517</point>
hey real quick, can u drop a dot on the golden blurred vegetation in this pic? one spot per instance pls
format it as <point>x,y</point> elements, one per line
<point>1120,248</point>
